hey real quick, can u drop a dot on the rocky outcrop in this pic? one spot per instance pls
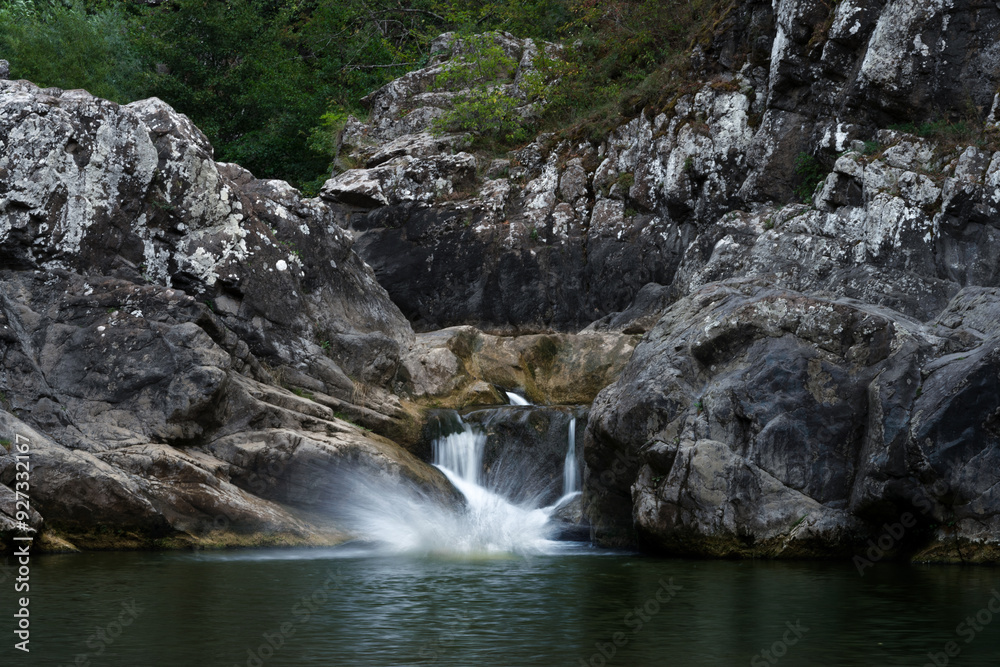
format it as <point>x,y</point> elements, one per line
<point>802,229</point>
<point>462,366</point>
<point>560,233</point>
<point>755,421</point>
<point>813,210</point>
<point>181,344</point>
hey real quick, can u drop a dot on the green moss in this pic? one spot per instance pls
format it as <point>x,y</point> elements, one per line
<point>626,180</point>
<point>302,393</point>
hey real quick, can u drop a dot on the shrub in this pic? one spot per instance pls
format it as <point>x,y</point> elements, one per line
<point>483,106</point>
<point>812,173</point>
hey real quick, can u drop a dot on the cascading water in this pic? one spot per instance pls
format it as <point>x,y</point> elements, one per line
<point>461,453</point>
<point>402,519</point>
<point>571,477</point>
<point>516,399</point>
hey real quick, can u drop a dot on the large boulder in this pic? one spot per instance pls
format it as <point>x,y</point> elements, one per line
<point>462,366</point>
<point>755,421</point>
<point>195,355</point>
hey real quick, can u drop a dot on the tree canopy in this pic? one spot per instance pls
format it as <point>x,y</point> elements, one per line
<point>267,79</point>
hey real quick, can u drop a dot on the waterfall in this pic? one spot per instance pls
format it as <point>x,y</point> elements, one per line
<point>571,477</point>
<point>401,518</point>
<point>515,399</point>
<point>461,453</point>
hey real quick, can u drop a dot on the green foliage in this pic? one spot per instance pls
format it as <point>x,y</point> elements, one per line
<point>626,180</point>
<point>234,68</point>
<point>302,393</point>
<point>627,56</point>
<point>812,172</point>
<point>56,44</point>
<point>479,60</point>
<point>272,82</point>
<point>949,133</point>
<point>483,107</point>
<point>487,113</point>
<point>325,137</point>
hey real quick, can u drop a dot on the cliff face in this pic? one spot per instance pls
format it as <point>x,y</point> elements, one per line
<point>154,306</point>
<point>559,234</point>
<point>821,367</point>
<point>817,362</point>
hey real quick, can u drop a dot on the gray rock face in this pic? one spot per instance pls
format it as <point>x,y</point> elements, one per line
<point>154,305</point>
<point>824,361</point>
<point>754,421</point>
<point>559,235</point>
<point>133,192</point>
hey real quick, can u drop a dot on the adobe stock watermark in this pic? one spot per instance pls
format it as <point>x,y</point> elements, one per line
<point>258,484</point>
<point>890,537</point>
<point>105,636</point>
<point>301,613</point>
<point>892,534</point>
<point>624,463</point>
<point>432,651</point>
<point>779,649</point>
<point>634,620</point>
<point>968,630</point>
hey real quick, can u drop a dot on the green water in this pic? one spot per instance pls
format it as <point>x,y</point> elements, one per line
<point>344,607</point>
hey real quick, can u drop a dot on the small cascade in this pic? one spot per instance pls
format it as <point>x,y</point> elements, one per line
<point>571,476</point>
<point>516,399</point>
<point>461,453</point>
<point>511,504</point>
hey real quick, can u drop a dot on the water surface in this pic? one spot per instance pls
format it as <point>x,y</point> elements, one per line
<point>350,606</point>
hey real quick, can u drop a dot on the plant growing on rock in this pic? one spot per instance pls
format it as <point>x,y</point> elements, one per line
<point>482,104</point>
<point>812,172</point>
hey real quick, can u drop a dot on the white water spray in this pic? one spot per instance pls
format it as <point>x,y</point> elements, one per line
<point>405,520</point>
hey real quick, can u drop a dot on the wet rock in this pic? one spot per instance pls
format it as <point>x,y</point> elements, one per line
<point>526,449</point>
